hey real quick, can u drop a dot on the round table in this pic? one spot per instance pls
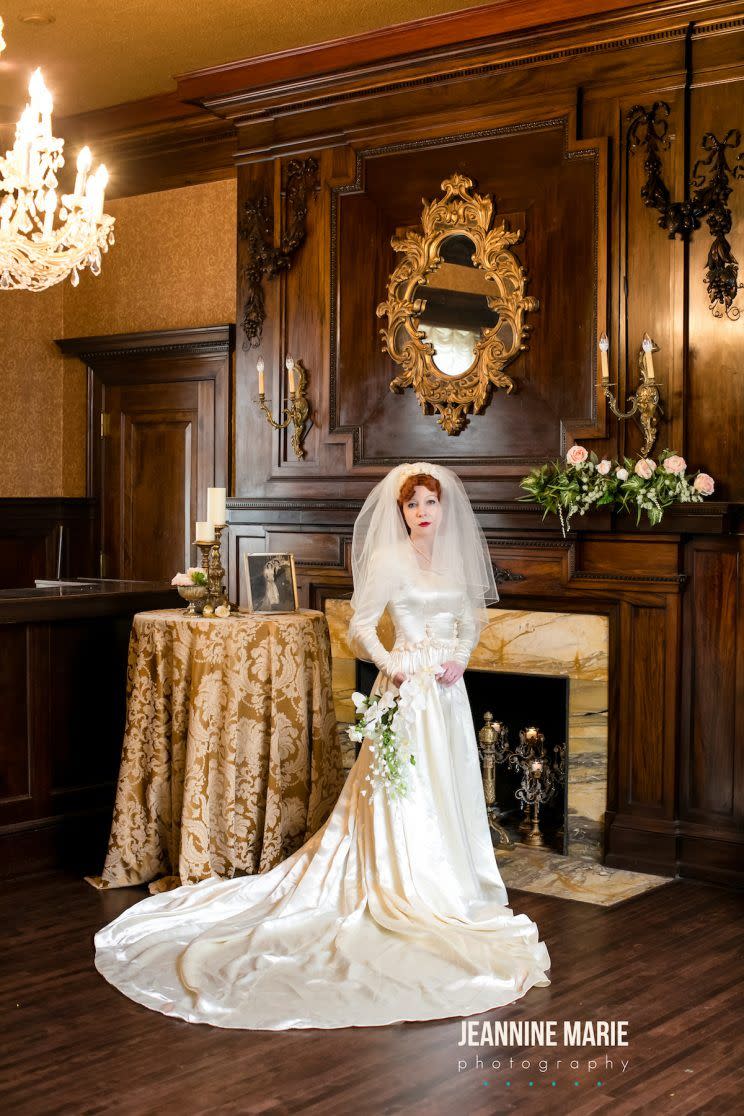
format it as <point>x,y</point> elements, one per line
<point>231,758</point>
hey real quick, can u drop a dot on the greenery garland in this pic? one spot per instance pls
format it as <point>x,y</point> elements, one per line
<point>583,482</point>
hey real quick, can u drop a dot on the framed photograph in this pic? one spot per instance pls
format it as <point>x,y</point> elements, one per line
<point>270,583</point>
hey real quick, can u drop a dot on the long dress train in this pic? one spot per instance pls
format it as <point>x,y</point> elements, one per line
<point>394,910</point>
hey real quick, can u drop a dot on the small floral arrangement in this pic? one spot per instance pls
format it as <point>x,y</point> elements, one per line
<point>584,482</point>
<point>194,576</point>
<point>385,721</point>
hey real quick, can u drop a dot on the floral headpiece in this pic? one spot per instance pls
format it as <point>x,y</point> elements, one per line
<point>407,471</point>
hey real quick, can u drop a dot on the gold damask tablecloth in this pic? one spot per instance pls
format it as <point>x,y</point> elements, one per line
<point>231,759</point>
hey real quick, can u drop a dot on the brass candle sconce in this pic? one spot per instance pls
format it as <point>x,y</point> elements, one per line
<point>298,412</point>
<point>645,403</point>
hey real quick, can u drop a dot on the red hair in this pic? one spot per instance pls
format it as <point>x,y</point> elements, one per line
<point>410,484</point>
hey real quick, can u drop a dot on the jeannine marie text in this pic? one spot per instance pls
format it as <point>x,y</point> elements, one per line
<point>544,1032</point>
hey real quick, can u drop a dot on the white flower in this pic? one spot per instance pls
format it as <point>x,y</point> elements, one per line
<point>621,474</point>
<point>604,467</point>
<point>359,700</point>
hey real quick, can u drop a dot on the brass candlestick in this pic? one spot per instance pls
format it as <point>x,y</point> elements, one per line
<point>298,412</point>
<point>645,403</point>
<point>215,569</point>
<point>541,777</point>
<point>205,548</point>
<point>493,745</point>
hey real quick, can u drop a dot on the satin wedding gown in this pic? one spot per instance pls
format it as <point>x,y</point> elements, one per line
<point>392,911</point>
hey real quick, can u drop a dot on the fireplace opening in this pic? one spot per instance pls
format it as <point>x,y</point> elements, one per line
<point>518,701</point>
<point>522,701</point>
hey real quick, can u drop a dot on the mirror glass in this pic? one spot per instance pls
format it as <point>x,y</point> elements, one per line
<point>456,309</point>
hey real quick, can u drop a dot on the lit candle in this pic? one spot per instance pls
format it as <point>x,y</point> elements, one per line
<point>84,161</point>
<point>648,348</point>
<point>260,370</point>
<point>531,733</point>
<point>536,768</point>
<point>604,348</point>
<point>290,369</point>
<point>204,532</point>
<point>41,102</point>
<point>216,509</point>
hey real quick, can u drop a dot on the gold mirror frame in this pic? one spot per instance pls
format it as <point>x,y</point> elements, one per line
<point>458,212</point>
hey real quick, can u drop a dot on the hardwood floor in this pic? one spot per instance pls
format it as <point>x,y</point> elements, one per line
<point>671,962</point>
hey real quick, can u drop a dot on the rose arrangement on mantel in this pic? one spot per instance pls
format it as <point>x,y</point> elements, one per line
<point>584,482</point>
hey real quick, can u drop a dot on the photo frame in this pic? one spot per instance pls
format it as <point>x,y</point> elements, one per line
<point>270,582</point>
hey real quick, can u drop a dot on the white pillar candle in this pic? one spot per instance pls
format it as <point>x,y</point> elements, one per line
<point>216,509</point>
<point>604,348</point>
<point>204,532</point>
<point>648,348</point>
<point>260,370</point>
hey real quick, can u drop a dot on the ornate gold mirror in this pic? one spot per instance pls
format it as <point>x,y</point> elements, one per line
<point>455,306</point>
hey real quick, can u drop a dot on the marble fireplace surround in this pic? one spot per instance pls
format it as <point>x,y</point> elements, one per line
<point>566,644</point>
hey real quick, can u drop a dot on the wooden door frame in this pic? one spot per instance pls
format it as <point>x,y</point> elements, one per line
<point>203,353</point>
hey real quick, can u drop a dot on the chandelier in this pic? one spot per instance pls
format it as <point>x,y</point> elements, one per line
<point>36,253</point>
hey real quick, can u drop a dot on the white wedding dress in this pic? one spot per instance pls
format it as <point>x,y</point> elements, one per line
<point>392,911</point>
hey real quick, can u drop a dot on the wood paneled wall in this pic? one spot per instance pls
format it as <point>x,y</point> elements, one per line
<point>538,115</point>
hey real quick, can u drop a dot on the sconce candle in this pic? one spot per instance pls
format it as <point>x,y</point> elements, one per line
<point>604,348</point>
<point>289,363</point>
<point>648,348</point>
<point>260,370</point>
<point>204,532</point>
<point>216,507</point>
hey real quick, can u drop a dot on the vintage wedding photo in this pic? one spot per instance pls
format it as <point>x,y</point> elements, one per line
<point>372,558</point>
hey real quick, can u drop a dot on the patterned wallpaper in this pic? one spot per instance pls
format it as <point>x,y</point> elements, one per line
<point>173,265</point>
<point>31,416</point>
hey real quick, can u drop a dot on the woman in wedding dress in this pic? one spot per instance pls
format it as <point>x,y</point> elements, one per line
<point>395,909</point>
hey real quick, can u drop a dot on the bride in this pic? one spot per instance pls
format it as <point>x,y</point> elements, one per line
<point>395,909</point>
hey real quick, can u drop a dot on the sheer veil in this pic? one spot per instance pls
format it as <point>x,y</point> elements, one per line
<point>382,555</point>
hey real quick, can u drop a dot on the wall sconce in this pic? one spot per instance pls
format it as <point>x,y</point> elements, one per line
<point>298,411</point>
<point>645,402</point>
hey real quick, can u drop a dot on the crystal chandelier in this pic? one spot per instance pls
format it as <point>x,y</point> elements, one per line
<point>34,254</point>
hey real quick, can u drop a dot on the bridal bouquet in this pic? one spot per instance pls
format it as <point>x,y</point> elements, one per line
<point>386,722</point>
<point>584,482</point>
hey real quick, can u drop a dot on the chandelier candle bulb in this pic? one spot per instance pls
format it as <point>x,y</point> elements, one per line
<point>260,370</point>
<point>648,348</point>
<point>204,532</point>
<point>84,161</point>
<point>604,348</point>
<point>216,506</point>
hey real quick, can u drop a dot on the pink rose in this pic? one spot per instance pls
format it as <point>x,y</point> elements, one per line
<point>675,464</point>
<point>704,484</point>
<point>604,466</point>
<point>645,468</point>
<point>182,579</point>
<point>621,474</point>
<point>577,455</point>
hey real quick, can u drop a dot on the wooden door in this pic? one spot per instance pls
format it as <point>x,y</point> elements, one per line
<point>158,438</point>
<point>157,456</point>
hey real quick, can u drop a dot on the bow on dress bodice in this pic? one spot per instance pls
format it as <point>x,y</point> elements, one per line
<point>427,612</point>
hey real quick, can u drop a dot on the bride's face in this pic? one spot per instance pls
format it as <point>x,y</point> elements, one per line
<point>422,512</point>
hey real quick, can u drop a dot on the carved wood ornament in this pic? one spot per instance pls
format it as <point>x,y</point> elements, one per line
<point>709,193</point>
<point>460,217</point>
<point>256,227</point>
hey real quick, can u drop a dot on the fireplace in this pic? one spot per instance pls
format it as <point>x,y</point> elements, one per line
<point>551,665</point>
